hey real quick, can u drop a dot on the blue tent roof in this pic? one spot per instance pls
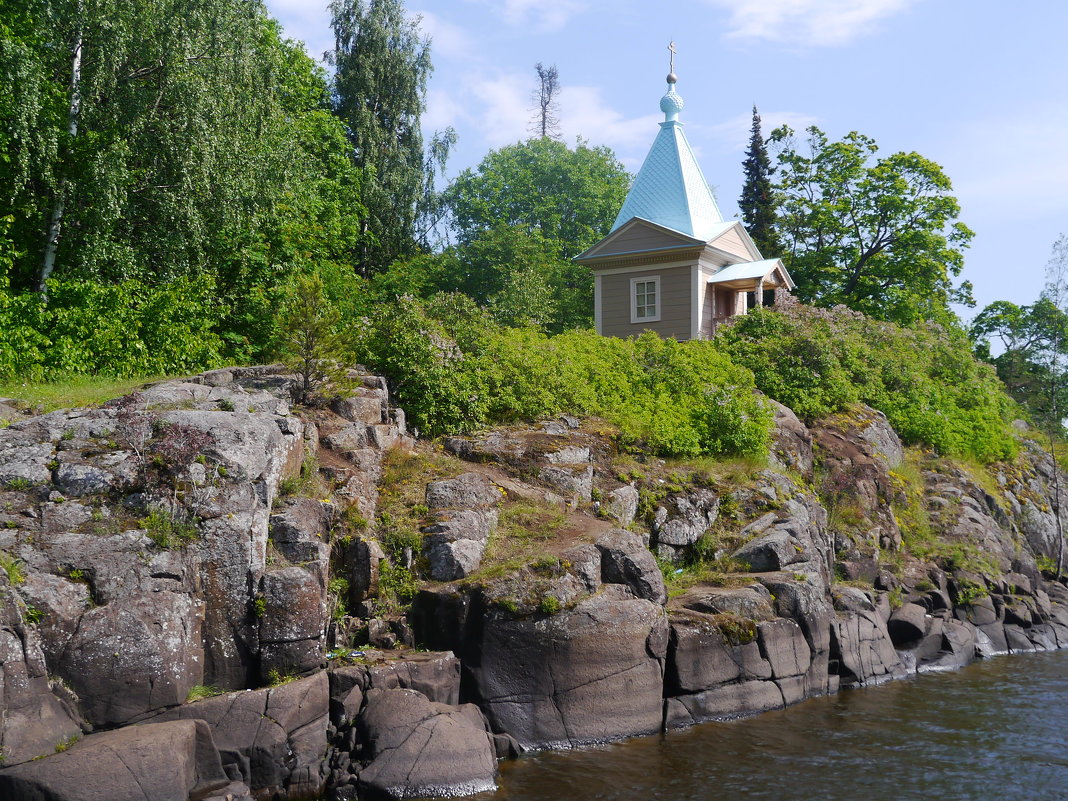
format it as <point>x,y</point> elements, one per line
<point>670,189</point>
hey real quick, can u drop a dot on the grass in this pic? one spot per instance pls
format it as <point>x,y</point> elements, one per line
<point>199,692</point>
<point>72,392</point>
<point>523,529</point>
<point>167,530</point>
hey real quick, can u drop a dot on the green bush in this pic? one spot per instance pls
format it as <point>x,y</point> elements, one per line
<point>924,378</point>
<point>125,329</point>
<point>454,370</point>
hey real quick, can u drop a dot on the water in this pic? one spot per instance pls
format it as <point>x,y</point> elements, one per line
<point>995,731</point>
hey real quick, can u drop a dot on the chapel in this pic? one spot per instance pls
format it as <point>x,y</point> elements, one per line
<point>671,263</point>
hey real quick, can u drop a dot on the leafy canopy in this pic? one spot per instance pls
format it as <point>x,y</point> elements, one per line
<point>569,196</point>
<point>882,238</point>
<point>1033,342</point>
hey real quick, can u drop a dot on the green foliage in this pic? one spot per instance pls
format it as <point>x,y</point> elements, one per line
<point>881,238</point>
<point>33,614</point>
<point>65,744</point>
<point>68,392</point>
<point>549,605</point>
<point>120,330</point>
<point>968,591</point>
<point>569,196</point>
<point>1034,341</point>
<point>397,586</point>
<point>308,340</point>
<point>168,530</point>
<point>12,566</point>
<point>338,590</point>
<point>259,606</point>
<point>453,371</point>
<point>202,165</point>
<point>924,378</point>
<point>382,63</point>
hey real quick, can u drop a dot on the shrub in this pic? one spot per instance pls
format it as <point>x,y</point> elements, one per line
<point>924,378</point>
<point>124,329</point>
<point>461,372</point>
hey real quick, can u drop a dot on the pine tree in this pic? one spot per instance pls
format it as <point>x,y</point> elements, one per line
<point>758,202</point>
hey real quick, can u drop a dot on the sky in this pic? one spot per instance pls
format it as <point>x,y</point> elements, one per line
<point>980,87</point>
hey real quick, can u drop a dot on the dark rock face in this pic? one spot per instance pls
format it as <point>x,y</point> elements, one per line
<point>292,627</point>
<point>420,748</point>
<point>858,450</point>
<point>128,658</point>
<point>164,762</point>
<point>590,674</point>
<point>273,738</point>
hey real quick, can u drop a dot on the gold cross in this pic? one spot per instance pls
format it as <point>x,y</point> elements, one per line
<point>671,47</point>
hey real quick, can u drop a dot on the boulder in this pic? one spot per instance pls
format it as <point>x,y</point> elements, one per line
<point>752,602</point>
<point>907,624</point>
<point>33,720</point>
<point>589,674</point>
<point>172,761</point>
<point>626,560</point>
<point>791,441</point>
<point>687,518</point>
<point>730,701</point>
<point>770,552</point>
<point>574,481</point>
<point>421,748</point>
<point>862,651</point>
<point>301,528</point>
<point>584,561</point>
<point>621,505</point>
<point>454,544</point>
<point>701,656</point>
<point>466,491</point>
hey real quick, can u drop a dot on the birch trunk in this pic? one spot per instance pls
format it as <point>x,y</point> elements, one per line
<point>55,225</point>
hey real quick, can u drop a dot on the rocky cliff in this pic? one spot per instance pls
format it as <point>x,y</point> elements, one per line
<point>211,594</point>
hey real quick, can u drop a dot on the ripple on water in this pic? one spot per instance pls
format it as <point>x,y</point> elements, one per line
<point>995,731</point>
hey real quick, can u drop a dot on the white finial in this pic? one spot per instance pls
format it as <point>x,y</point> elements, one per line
<point>672,77</point>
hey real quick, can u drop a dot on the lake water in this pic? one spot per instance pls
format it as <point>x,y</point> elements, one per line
<point>995,731</point>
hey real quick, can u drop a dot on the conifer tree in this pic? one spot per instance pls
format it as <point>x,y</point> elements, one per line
<point>757,202</point>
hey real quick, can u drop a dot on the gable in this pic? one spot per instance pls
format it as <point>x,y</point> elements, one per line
<point>638,236</point>
<point>735,242</point>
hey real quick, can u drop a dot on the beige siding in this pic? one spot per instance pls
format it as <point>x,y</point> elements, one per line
<point>732,243</point>
<point>637,237</point>
<point>674,303</point>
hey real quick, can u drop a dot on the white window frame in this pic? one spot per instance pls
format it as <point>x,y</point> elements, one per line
<point>645,279</point>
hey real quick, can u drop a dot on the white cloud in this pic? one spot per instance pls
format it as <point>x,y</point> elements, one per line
<point>501,108</point>
<point>806,22</point>
<point>545,15</point>
<point>306,22</point>
<point>446,39</point>
<point>583,112</point>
